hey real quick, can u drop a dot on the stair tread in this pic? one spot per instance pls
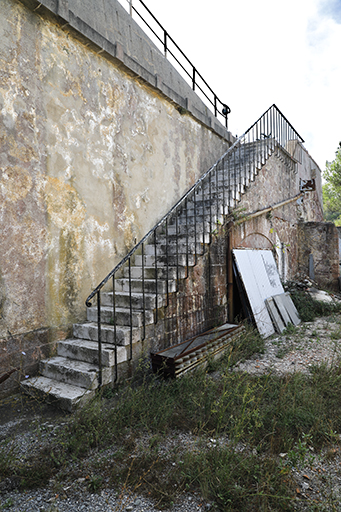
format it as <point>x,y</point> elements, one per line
<point>72,364</point>
<point>151,295</point>
<point>109,327</point>
<point>118,309</point>
<point>89,343</point>
<point>55,388</point>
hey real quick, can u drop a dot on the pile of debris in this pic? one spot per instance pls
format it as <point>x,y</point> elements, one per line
<point>305,283</point>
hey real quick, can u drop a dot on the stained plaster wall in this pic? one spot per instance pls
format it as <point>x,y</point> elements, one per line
<point>90,159</point>
<point>277,229</point>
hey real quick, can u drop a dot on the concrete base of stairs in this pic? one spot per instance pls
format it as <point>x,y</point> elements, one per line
<point>65,396</point>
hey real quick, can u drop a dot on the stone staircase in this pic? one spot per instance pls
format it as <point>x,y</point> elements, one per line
<point>71,377</point>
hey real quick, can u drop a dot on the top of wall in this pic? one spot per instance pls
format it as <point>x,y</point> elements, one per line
<point>109,29</point>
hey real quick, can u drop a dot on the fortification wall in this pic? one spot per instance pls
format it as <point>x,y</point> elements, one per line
<point>92,155</point>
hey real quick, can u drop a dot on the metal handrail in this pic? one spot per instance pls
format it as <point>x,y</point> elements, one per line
<point>218,106</point>
<point>272,129</point>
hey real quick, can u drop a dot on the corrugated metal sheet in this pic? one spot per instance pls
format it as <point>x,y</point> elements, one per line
<point>189,354</point>
<point>259,274</point>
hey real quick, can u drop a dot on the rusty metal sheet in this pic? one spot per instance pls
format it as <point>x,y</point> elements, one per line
<point>185,356</point>
<point>259,274</point>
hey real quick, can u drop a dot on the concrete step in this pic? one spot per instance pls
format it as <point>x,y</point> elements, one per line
<point>182,233</point>
<point>86,350</point>
<point>122,285</point>
<point>173,247</point>
<point>149,272</point>
<point>76,373</point>
<point>220,195</point>
<point>122,316</point>
<point>199,220</point>
<point>122,300</point>
<point>149,260</point>
<point>66,396</point>
<point>196,208</point>
<point>172,232</point>
<point>89,331</point>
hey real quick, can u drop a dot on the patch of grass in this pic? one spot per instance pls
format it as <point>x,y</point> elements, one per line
<point>257,417</point>
<point>309,309</point>
<point>290,330</point>
<point>238,481</point>
<point>8,503</point>
<point>247,345</point>
<point>336,335</point>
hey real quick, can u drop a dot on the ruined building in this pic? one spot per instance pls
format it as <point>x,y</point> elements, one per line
<point>100,138</point>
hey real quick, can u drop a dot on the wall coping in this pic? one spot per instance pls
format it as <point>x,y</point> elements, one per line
<point>108,29</point>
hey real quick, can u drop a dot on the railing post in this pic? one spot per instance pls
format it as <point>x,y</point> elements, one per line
<point>131,7</point>
<point>165,42</point>
<point>99,334</point>
<point>143,294</point>
<point>193,78</point>
<point>130,311</point>
<point>187,257</point>
<point>156,279</point>
<point>114,320</point>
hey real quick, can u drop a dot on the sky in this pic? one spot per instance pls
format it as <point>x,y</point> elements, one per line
<point>256,53</point>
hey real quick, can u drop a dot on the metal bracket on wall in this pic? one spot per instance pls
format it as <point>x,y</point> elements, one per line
<point>307,185</point>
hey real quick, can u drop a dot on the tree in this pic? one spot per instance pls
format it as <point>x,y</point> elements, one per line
<point>332,189</point>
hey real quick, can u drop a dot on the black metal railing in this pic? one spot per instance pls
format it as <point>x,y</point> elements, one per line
<point>163,256</point>
<point>170,48</point>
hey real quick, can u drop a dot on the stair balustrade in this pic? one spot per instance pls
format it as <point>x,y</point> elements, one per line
<point>145,284</point>
<point>171,49</point>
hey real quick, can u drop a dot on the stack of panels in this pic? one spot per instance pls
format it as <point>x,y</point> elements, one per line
<point>282,311</point>
<point>189,354</point>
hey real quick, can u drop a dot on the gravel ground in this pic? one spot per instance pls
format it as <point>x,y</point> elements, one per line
<point>317,477</point>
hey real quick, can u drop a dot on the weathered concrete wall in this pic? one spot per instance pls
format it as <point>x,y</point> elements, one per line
<point>91,158</point>
<point>277,229</point>
<point>321,240</point>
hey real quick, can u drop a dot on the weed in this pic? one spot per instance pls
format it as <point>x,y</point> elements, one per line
<point>300,453</point>
<point>7,504</point>
<point>254,417</point>
<point>248,344</point>
<point>336,335</point>
<point>309,309</point>
<point>95,483</point>
<point>237,481</point>
<point>283,351</point>
<point>290,330</point>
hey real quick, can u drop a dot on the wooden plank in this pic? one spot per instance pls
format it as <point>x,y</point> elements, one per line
<point>275,316</point>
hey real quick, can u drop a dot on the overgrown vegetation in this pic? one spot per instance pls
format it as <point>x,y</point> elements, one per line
<point>238,424</point>
<point>309,308</point>
<point>332,189</point>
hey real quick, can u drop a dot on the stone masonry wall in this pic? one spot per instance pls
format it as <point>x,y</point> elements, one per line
<point>321,240</point>
<point>277,229</point>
